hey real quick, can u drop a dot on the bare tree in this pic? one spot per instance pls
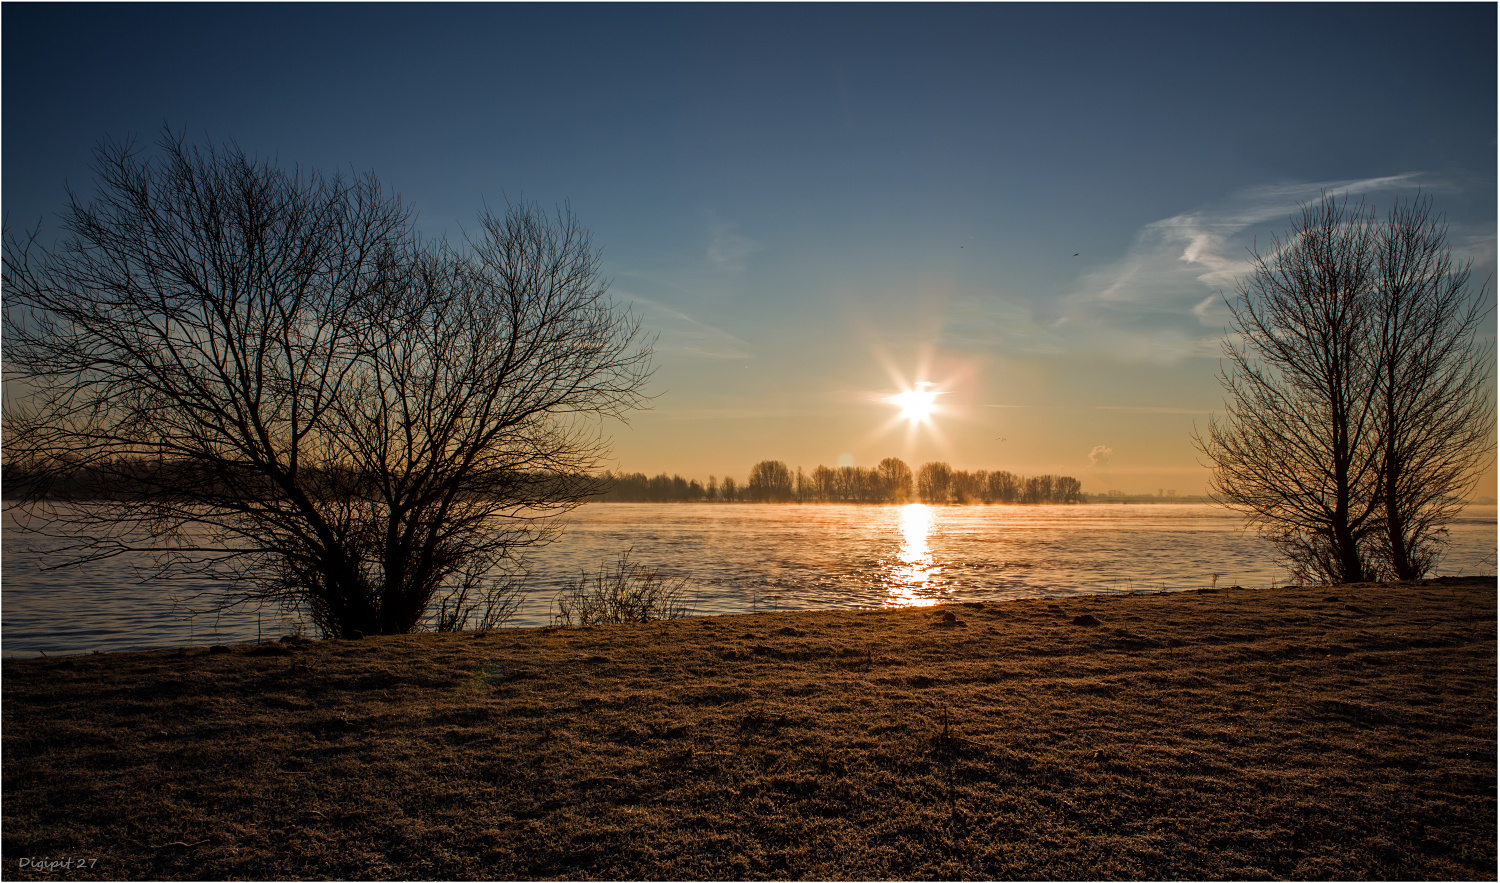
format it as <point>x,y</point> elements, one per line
<point>968,487</point>
<point>934,482</point>
<point>1435,412</point>
<point>1068,489</point>
<point>1356,413</point>
<point>277,384</point>
<point>1297,447</point>
<point>895,476</point>
<point>1002,487</point>
<point>1038,489</point>
<point>770,482</point>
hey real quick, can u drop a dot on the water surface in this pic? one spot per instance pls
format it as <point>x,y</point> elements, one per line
<point>742,558</point>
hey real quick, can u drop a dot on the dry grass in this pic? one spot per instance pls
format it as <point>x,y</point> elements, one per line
<point>1288,733</point>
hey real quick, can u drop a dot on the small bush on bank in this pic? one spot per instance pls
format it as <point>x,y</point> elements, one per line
<point>478,606</point>
<point>628,592</point>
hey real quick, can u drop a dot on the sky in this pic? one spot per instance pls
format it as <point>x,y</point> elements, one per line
<point>1035,209</point>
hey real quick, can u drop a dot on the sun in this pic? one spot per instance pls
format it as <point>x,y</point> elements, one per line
<point>918,404</point>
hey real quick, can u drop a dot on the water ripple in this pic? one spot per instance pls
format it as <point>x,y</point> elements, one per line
<point>743,558</point>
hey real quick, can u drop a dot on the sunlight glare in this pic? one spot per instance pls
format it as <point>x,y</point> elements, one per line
<point>915,565</point>
<point>918,403</point>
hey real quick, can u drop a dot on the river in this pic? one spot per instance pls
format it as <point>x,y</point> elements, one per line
<point>743,558</point>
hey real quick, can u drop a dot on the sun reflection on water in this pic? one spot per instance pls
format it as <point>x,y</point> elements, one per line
<point>910,580</point>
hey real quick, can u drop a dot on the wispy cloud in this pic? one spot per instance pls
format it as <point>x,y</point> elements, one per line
<point>1151,410</point>
<point>1208,247</point>
<point>1001,325</point>
<point>1480,248</point>
<point>681,334</point>
<point>1162,301</point>
<point>728,248</point>
<point>748,413</point>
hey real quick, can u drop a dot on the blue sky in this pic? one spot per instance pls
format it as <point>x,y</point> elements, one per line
<point>811,205</point>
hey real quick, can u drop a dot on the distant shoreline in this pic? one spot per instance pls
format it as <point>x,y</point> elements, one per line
<point>1092,499</point>
<point>1316,733</point>
<point>1088,499</point>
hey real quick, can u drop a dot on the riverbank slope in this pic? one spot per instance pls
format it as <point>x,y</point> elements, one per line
<point>1344,732</point>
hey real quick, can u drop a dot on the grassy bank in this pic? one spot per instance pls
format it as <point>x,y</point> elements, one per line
<point>1298,732</point>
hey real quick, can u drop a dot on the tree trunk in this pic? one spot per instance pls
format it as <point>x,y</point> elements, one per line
<point>1395,525</point>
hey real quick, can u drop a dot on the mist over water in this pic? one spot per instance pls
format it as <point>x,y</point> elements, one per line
<point>745,558</point>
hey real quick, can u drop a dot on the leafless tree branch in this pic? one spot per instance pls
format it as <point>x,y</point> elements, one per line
<point>265,376</point>
<point>1356,413</point>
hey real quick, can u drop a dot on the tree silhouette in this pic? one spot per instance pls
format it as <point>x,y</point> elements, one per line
<point>891,481</point>
<point>1433,409</point>
<point>283,387</point>
<point>1357,411</point>
<point>933,482</point>
<point>770,482</point>
<point>1037,489</point>
<point>1003,487</point>
<point>896,476</point>
<point>1067,489</point>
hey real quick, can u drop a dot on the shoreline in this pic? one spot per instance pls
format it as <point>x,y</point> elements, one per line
<point>1079,597</point>
<point>737,559</point>
<point>1319,732</point>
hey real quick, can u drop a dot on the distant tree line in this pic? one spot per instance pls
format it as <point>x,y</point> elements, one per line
<point>891,481</point>
<point>636,487</point>
<point>771,481</point>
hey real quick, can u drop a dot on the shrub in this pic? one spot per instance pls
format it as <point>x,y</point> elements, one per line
<point>628,592</point>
